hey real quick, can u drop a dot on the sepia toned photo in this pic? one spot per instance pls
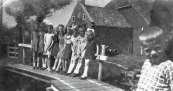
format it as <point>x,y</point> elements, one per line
<point>86,45</point>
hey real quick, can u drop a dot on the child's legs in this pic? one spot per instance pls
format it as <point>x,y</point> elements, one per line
<point>85,73</point>
<point>34,58</point>
<point>48,62</point>
<point>71,67</point>
<point>65,65</point>
<point>59,64</point>
<point>55,64</point>
<point>79,64</point>
<point>44,61</point>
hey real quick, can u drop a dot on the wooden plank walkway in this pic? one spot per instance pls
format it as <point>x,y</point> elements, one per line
<point>60,82</point>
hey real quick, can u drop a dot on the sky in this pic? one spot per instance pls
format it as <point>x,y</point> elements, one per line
<point>61,16</point>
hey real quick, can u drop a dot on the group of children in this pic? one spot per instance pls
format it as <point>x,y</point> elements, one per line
<point>73,44</point>
<point>78,44</point>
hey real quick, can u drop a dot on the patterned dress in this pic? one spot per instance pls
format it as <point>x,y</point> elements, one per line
<point>61,46</point>
<point>156,77</point>
<point>81,46</point>
<point>74,41</point>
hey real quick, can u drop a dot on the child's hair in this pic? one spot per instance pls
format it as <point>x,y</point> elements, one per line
<point>153,32</point>
<point>150,33</point>
<point>50,26</point>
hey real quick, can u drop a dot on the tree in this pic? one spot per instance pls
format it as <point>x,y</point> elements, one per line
<point>22,10</point>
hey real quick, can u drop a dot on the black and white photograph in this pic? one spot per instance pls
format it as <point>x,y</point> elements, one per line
<point>86,45</point>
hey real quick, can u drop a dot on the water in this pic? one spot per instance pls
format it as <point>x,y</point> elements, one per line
<point>10,81</point>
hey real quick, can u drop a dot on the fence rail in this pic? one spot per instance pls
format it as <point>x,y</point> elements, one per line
<point>12,50</point>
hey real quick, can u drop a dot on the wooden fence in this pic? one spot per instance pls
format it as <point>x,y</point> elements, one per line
<point>12,51</point>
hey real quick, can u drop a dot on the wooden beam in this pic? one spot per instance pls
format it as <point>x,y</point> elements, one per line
<point>25,45</point>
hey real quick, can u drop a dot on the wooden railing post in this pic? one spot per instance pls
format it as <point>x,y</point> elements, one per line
<point>23,51</point>
<point>100,64</point>
<point>8,50</point>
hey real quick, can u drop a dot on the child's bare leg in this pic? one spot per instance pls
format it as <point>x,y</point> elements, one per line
<point>71,67</point>
<point>38,60</point>
<point>65,65</point>
<point>59,64</point>
<point>55,64</point>
<point>48,63</point>
<point>85,73</point>
<point>34,59</point>
<point>76,71</point>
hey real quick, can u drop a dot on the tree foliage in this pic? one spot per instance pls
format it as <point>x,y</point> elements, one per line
<point>23,9</point>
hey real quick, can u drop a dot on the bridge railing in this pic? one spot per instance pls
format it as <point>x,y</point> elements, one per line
<point>12,51</point>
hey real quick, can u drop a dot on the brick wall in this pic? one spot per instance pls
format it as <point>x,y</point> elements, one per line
<point>116,38</point>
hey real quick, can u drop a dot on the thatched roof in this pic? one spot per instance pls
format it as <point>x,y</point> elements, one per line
<point>104,17</point>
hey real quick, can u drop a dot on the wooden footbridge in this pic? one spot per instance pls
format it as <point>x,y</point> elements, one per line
<point>66,83</point>
<point>60,82</point>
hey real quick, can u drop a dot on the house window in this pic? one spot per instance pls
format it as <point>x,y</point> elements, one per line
<point>84,16</point>
<point>73,18</point>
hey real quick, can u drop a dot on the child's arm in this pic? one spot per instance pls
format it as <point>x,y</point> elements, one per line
<point>97,50</point>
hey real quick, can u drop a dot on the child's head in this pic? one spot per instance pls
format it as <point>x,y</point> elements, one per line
<point>50,28</point>
<point>154,42</point>
<point>61,27</point>
<point>90,34</point>
<point>81,31</point>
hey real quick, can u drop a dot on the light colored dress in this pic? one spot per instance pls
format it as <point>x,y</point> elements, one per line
<point>74,41</point>
<point>81,46</point>
<point>47,43</point>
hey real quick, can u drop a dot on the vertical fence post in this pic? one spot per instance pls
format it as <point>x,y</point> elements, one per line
<point>8,50</point>
<point>23,51</point>
<point>100,64</point>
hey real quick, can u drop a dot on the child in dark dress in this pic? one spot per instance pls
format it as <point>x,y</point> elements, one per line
<point>55,47</point>
<point>67,50</point>
<point>34,43</point>
<point>40,47</point>
<point>91,51</point>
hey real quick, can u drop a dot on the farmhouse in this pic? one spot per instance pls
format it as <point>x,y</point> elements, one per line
<point>110,25</point>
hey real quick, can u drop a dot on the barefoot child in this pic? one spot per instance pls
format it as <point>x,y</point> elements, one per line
<point>48,42</point>
<point>157,70</point>
<point>67,51</point>
<point>74,57</point>
<point>81,51</point>
<point>90,53</point>
<point>34,43</point>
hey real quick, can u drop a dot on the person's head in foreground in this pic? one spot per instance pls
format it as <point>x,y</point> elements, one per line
<point>155,43</point>
<point>157,70</point>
